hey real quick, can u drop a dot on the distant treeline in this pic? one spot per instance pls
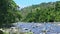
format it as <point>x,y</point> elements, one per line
<point>44,12</point>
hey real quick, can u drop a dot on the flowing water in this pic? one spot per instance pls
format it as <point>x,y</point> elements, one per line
<point>39,28</point>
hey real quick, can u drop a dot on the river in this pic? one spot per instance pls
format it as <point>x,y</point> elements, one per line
<point>39,28</point>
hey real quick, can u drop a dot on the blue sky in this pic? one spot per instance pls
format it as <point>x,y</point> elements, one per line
<point>25,3</point>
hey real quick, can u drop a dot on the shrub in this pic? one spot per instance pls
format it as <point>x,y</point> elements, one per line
<point>1,32</point>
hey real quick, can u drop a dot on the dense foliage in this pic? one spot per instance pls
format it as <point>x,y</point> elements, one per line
<point>9,12</point>
<point>44,12</point>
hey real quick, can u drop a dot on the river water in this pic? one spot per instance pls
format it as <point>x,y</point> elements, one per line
<point>39,28</point>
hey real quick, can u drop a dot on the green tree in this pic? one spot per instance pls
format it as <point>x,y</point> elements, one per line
<point>9,12</point>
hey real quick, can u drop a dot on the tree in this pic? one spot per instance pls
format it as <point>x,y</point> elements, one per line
<point>9,12</point>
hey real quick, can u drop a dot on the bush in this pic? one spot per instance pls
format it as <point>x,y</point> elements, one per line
<point>1,32</point>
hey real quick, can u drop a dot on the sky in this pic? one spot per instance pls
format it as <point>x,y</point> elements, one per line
<point>25,3</point>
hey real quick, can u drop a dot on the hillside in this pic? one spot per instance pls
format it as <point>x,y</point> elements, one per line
<point>44,12</point>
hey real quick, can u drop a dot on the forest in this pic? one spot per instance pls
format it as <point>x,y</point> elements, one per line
<point>10,12</point>
<point>44,12</point>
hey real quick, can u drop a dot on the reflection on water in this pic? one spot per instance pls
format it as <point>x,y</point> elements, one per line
<point>40,28</point>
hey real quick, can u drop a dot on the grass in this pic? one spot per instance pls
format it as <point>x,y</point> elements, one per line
<point>21,33</point>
